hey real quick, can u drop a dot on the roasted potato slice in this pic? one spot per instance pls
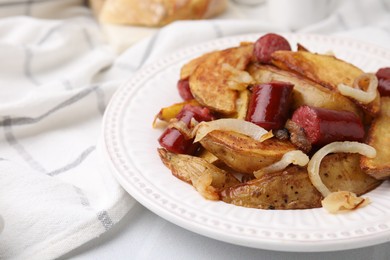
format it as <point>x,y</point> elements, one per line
<point>305,92</point>
<point>379,138</point>
<point>288,189</point>
<point>206,178</point>
<point>292,189</point>
<point>341,171</point>
<point>326,70</point>
<point>190,66</point>
<point>242,153</point>
<point>208,82</point>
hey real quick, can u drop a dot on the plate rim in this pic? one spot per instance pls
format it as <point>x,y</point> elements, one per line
<point>272,244</point>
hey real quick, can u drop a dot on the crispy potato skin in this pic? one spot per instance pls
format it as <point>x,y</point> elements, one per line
<point>326,70</point>
<point>305,92</point>
<point>183,166</point>
<point>242,153</point>
<point>207,82</point>
<point>292,189</point>
<point>379,138</point>
<point>190,67</point>
<point>288,189</point>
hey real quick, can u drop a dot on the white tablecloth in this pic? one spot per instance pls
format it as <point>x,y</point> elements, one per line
<point>57,76</point>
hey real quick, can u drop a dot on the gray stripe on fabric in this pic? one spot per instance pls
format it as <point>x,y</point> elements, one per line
<point>83,198</point>
<point>149,49</point>
<point>217,29</point>
<point>66,103</point>
<point>13,3</point>
<point>27,66</point>
<point>105,219</point>
<point>49,33</point>
<point>88,39</point>
<point>341,21</point>
<point>12,141</point>
<point>100,100</point>
<point>73,164</point>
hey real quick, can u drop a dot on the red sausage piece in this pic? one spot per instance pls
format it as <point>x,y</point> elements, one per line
<point>269,104</point>
<point>174,141</point>
<point>323,126</point>
<point>383,76</point>
<point>183,86</point>
<point>267,44</point>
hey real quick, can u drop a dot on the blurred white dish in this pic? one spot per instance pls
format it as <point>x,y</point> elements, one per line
<point>130,143</point>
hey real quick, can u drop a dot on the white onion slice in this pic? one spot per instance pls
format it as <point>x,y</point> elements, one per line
<point>237,79</point>
<point>296,157</point>
<point>182,127</point>
<point>358,94</point>
<point>313,167</point>
<point>230,124</point>
<point>340,201</point>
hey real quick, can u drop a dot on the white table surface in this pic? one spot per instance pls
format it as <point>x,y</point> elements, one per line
<point>125,241</point>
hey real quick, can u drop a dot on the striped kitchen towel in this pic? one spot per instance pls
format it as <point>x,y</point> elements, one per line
<point>55,193</point>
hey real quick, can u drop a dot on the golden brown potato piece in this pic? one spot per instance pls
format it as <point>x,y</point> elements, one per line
<point>305,92</point>
<point>379,138</point>
<point>190,66</point>
<point>242,153</point>
<point>326,70</point>
<point>207,179</point>
<point>208,83</point>
<point>288,189</point>
<point>292,189</point>
<point>341,171</point>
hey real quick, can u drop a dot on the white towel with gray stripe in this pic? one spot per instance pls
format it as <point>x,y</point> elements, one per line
<point>54,191</point>
<point>56,77</point>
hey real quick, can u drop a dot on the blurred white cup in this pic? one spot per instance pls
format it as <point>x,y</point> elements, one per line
<point>295,14</point>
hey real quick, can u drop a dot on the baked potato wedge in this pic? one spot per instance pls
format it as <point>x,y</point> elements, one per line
<point>189,67</point>
<point>379,138</point>
<point>305,92</point>
<point>326,70</point>
<point>341,171</point>
<point>209,81</point>
<point>206,178</point>
<point>288,189</point>
<point>292,189</point>
<point>242,153</point>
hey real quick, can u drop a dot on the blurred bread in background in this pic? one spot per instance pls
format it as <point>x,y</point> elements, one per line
<point>154,13</point>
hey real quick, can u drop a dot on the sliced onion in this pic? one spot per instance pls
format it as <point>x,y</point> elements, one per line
<point>358,94</point>
<point>202,184</point>
<point>182,127</point>
<point>230,124</point>
<point>313,167</point>
<point>341,201</point>
<point>296,157</point>
<point>237,79</point>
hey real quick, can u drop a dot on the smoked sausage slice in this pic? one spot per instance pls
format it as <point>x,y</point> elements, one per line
<point>323,126</point>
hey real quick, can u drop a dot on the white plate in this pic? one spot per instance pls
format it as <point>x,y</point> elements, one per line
<point>130,145</point>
